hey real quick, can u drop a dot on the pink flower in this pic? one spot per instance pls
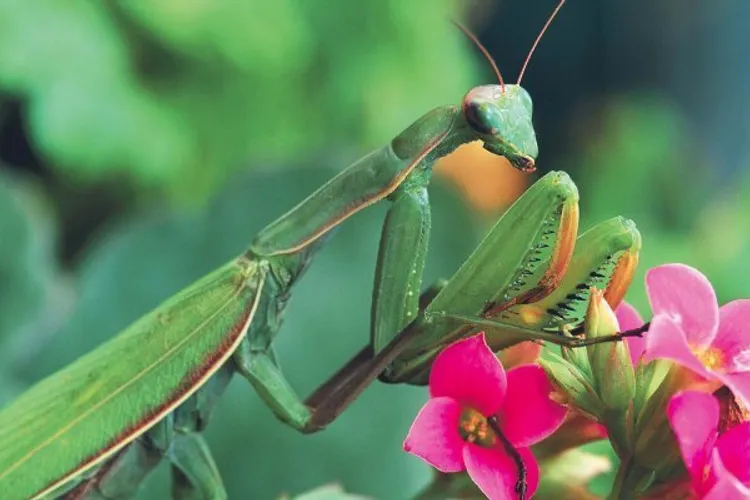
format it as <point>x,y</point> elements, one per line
<point>719,465</point>
<point>629,319</point>
<point>689,328</point>
<point>468,390</point>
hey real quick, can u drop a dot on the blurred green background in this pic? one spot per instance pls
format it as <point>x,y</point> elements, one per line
<point>143,143</point>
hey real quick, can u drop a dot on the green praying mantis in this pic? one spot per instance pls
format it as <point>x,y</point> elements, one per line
<point>98,427</point>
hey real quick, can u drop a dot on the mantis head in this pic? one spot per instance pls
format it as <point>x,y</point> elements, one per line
<point>500,115</point>
<point>501,118</point>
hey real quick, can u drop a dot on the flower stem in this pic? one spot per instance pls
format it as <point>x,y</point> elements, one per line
<point>628,481</point>
<point>522,483</point>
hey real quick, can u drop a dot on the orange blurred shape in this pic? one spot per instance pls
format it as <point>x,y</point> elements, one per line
<point>522,353</point>
<point>487,181</point>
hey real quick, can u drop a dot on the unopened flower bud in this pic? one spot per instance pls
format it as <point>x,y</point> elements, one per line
<point>611,367</point>
<point>579,358</point>
<point>574,386</point>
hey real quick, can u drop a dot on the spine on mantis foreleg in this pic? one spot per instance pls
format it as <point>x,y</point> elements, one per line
<point>605,257</point>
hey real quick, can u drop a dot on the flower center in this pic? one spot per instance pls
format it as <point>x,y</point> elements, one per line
<point>474,428</point>
<point>712,358</point>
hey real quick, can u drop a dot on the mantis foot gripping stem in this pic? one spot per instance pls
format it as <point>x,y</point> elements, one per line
<point>615,337</point>
<point>633,332</point>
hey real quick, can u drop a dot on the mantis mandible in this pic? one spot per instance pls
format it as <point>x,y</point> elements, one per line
<point>97,427</point>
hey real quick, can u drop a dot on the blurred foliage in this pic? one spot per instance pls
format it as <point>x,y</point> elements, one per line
<point>26,259</point>
<point>642,164</point>
<point>327,492</point>
<point>32,296</point>
<point>177,94</point>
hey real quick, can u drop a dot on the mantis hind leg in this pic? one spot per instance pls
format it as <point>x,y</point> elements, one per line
<point>121,477</point>
<point>175,437</point>
<point>194,472</point>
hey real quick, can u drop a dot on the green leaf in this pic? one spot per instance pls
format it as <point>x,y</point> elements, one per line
<point>328,492</point>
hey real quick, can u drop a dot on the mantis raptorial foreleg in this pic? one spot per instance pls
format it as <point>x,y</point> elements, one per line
<point>546,287</point>
<point>401,258</point>
<point>544,291</point>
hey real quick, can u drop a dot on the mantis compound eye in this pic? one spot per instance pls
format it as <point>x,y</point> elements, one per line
<point>476,118</point>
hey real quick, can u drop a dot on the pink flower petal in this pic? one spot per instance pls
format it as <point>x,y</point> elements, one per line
<point>733,336</point>
<point>629,319</point>
<point>496,473</point>
<point>528,414</point>
<point>694,417</point>
<point>734,450</point>
<point>687,296</point>
<point>434,436</point>
<point>627,316</point>
<point>739,383</point>
<point>469,372</point>
<point>727,487</point>
<point>665,339</point>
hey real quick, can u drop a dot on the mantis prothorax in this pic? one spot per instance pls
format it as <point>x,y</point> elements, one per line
<point>96,428</point>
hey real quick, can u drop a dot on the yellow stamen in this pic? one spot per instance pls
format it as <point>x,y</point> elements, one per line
<point>712,358</point>
<point>706,472</point>
<point>474,428</point>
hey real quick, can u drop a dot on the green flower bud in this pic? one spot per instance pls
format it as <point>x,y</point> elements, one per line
<point>611,367</point>
<point>573,386</point>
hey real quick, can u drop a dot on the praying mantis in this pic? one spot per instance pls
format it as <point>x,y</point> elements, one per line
<point>98,427</point>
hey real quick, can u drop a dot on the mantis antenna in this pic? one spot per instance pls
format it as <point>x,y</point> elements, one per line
<point>471,36</point>
<point>536,42</point>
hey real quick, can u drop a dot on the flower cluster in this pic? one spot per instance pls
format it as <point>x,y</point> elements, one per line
<point>654,397</point>
<point>669,421</point>
<point>718,463</point>
<point>709,347</point>
<point>689,328</point>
